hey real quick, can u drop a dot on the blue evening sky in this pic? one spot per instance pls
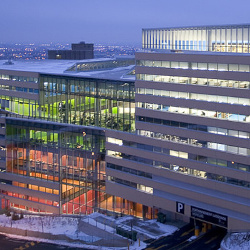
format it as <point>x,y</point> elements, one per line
<point>109,21</point>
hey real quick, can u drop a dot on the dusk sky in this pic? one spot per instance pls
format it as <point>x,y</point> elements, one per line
<point>109,21</point>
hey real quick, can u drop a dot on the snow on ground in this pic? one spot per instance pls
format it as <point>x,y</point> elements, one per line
<point>57,242</point>
<point>109,223</point>
<point>46,224</point>
<point>237,241</point>
<point>135,246</point>
<point>69,226</point>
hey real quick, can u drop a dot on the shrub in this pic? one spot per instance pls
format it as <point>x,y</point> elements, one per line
<point>15,216</point>
<point>7,212</point>
<point>161,218</point>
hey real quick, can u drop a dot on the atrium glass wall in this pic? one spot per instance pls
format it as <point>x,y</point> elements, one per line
<point>101,65</point>
<point>70,155</point>
<point>96,102</point>
<point>20,106</point>
<point>228,38</point>
<point>73,156</point>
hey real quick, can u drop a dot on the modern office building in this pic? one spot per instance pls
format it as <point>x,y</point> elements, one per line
<point>190,155</point>
<point>174,141</point>
<point>79,51</point>
<point>52,133</point>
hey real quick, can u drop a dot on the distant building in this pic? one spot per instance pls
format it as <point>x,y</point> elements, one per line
<point>78,51</point>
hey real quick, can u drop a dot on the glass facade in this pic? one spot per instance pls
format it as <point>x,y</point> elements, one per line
<point>19,106</point>
<point>47,140</point>
<point>228,38</point>
<point>101,65</point>
<point>69,155</point>
<point>15,78</point>
<point>102,103</point>
<point>82,101</point>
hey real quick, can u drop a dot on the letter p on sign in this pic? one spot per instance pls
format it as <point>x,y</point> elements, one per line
<point>180,207</point>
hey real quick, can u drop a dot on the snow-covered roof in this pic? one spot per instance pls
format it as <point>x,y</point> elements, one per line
<point>60,67</point>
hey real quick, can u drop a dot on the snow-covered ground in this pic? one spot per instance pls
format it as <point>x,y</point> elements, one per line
<point>53,225</point>
<point>237,241</point>
<point>70,227</point>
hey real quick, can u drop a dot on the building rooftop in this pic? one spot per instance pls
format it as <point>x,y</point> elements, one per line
<point>202,27</point>
<point>61,67</point>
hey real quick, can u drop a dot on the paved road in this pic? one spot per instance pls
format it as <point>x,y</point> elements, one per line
<point>7,243</point>
<point>208,241</point>
<point>172,240</point>
<point>179,240</point>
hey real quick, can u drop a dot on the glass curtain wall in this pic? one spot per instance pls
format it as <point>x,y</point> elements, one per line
<point>229,38</point>
<point>70,155</point>
<point>20,106</point>
<point>95,102</point>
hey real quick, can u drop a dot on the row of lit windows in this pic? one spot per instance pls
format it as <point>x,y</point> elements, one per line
<point>139,187</point>
<point>193,172</point>
<point>84,110</point>
<point>37,188</point>
<point>213,130</point>
<point>214,161</point>
<point>195,96</point>
<point>195,112</point>
<point>110,91</point>
<point>231,39</point>
<point>194,80</point>
<point>31,198</point>
<point>195,142</point>
<point>21,106</point>
<point>67,141</point>
<point>129,170</point>
<point>36,170</point>
<point>78,110</point>
<point>13,88</point>
<point>194,65</point>
<point>19,78</point>
<point>197,45</point>
<point>118,89</point>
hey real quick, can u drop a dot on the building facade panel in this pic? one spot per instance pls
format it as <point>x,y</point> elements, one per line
<point>206,121</point>
<point>198,135</point>
<point>188,165</point>
<point>232,92</point>
<point>192,133</point>
<point>226,38</point>
<point>159,171</point>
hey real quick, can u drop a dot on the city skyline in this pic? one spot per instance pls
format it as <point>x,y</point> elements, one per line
<point>110,21</point>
